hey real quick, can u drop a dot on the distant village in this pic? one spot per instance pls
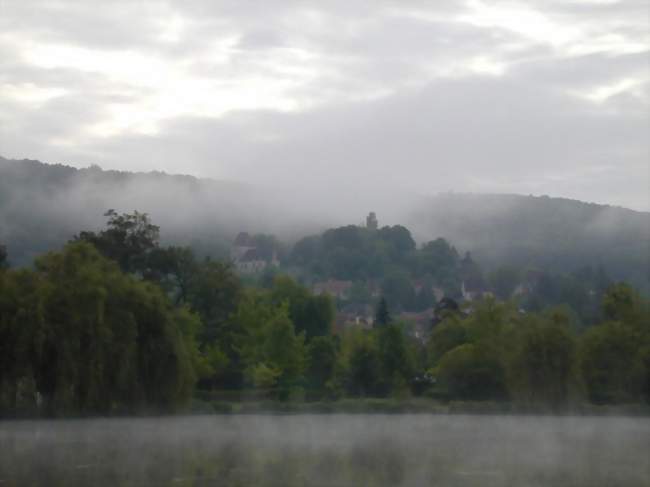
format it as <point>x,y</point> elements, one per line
<point>250,260</point>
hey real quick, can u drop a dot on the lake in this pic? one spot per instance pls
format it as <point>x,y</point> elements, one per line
<point>328,450</point>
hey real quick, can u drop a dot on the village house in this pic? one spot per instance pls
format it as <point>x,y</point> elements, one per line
<point>246,256</point>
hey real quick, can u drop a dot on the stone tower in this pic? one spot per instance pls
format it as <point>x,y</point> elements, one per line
<point>371,221</point>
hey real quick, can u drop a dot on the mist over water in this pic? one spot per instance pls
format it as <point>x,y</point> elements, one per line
<point>328,450</point>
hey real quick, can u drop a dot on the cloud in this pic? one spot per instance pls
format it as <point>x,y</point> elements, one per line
<point>533,97</point>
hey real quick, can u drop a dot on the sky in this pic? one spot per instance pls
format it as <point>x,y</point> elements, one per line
<point>335,98</point>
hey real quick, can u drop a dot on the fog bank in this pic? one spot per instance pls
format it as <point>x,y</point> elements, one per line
<point>333,450</point>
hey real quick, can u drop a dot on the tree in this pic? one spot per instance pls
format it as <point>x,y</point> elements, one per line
<point>471,372</point>
<point>310,314</point>
<point>398,291</point>
<point>361,364</point>
<point>382,315</point>
<point>622,303</point>
<point>437,258</point>
<point>471,273</point>
<point>4,263</point>
<point>89,339</point>
<point>321,353</point>
<point>214,293</point>
<point>174,269</point>
<point>614,355</point>
<point>503,281</point>
<point>399,239</point>
<point>284,350</point>
<point>611,364</point>
<point>396,358</point>
<point>272,353</point>
<point>543,367</point>
<point>425,299</point>
<point>446,336</point>
<point>128,240</point>
<point>21,318</point>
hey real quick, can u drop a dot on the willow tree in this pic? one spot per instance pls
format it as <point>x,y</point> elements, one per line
<point>93,339</point>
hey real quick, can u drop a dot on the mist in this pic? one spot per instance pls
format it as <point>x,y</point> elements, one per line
<point>333,450</point>
<point>66,201</point>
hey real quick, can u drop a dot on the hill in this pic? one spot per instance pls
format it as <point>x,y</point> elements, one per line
<point>42,206</point>
<point>553,234</point>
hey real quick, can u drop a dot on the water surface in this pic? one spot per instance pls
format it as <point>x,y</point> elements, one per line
<point>328,450</point>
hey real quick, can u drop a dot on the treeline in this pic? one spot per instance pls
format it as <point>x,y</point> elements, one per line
<point>499,353</point>
<point>114,323</point>
<point>388,260</point>
<point>554,234</point>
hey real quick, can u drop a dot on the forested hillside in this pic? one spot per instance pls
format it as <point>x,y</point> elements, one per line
<point>115,323</point>
<point>553,234</point>
<point>42,205</point>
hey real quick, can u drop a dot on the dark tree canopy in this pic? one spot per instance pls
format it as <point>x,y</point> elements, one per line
<point>3,257</point>
<point>310,314</point>
<point>128,240</point>
<point>382,315</point>
<point>88,338</point>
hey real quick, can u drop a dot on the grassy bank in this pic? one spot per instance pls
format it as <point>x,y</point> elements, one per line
<point>405,406</point>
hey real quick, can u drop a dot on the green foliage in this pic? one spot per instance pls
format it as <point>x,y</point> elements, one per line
<point>471,372</point>
<point>398,290</point>
<point>269,345</point>
<point>116,323</point>
<point>554,234</point>
<point>542,370</point>
<point>4,262</point>
<point>446,336</point>
<point>397,358</point>
<point>614,356</point>
<point>322,354</point>
<point>354,253</point>
<point>612,364</point>
<point>504,280</point>
<point>398,240</point>
<point>214,292</point>
<point>362,365</point>
<point>496,353</point>
<point>310,314</point>
<point>440,260</point>
<point>174,269</point>
<point>86,338</point>
<point>382,315</point>
<point>622,303</point>
<point>265,376</point>
<point>425,299</point>
<point>128,240</point>
<point>581,295</point>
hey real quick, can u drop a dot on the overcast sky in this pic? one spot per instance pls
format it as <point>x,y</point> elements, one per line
<point>533,97</point>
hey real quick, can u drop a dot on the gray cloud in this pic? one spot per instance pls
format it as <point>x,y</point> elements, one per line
<point>332,98</point>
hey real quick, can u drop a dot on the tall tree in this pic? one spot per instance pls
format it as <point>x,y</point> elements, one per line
<point>543,366</point>
<point>396,356</point>
<point>310,314</point>
<point>382,315</point>
<point>321,353</point>
<point>98,341</point>
<point>128,239</point>
<point>3,257</point>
